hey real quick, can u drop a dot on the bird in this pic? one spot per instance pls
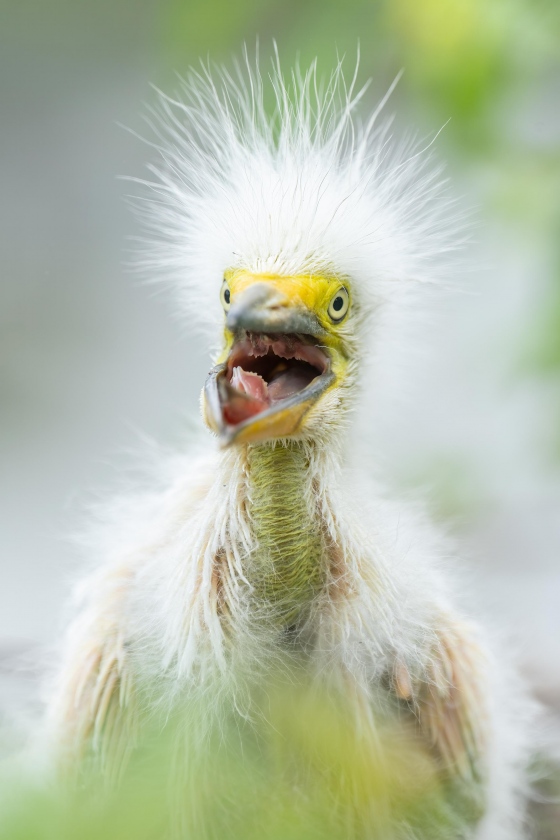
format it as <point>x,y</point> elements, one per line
<point>287,222</point>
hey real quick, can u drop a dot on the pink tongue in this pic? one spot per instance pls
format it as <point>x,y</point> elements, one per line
<point>249,383</point>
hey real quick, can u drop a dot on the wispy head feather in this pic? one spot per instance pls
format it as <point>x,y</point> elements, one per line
<point>306,186</point>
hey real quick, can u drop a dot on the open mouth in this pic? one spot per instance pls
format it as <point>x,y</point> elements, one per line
<point>264,376</point>
<point>263,371</point>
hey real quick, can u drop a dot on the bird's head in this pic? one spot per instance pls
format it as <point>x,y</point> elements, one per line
<point>300,222</point>
<point>287,359</point>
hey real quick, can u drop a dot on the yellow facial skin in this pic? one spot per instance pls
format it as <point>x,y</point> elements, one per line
<point>311,295</point>
<point>314,292</point>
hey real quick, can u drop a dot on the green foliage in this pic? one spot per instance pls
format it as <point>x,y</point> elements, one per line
<point>460,56</point>
<point>304,767</point>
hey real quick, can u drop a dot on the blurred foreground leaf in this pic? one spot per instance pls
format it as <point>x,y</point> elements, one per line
<point>302,767</point>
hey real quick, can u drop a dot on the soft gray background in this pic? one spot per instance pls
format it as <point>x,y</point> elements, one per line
<point>90,359</point>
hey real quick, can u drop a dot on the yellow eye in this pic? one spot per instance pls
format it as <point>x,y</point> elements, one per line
<point>339,305</point>
<point>225,295</point>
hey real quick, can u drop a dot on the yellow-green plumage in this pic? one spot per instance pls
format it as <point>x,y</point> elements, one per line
<point>287,567</point>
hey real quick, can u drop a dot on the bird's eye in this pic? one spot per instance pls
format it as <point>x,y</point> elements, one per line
<point>339,305</point>
<point>225,295</point>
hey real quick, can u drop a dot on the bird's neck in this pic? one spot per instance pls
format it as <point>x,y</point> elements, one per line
<point>286,569</point>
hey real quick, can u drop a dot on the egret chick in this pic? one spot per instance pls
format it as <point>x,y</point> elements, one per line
<point>288,233</point>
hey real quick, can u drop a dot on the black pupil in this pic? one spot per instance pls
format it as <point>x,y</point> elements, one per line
<point>338,303</point>
<point>226,295</point>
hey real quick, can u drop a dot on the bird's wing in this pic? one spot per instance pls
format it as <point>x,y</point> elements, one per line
<point>92,709</point>
<point>449,702</point>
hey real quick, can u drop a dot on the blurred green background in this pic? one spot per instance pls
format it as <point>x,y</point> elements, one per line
<point>91,360</point>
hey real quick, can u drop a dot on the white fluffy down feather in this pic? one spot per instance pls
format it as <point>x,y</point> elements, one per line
<point>173,606</point>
